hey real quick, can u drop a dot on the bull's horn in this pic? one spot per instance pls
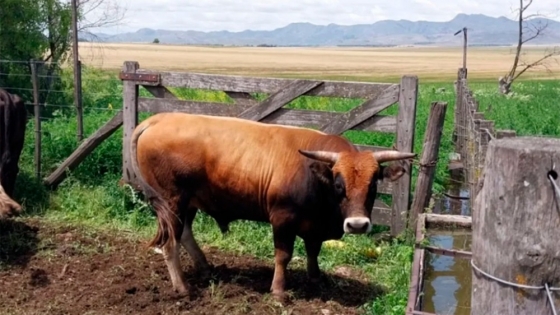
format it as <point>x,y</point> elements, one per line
<point>385,156</point>
<point>324,156</point>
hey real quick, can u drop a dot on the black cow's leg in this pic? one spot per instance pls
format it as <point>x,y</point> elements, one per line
<point>284,238</point>
<point>189,243</point>
<point>313,247</point>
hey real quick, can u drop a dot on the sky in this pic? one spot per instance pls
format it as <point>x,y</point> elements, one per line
<point>239,15</point>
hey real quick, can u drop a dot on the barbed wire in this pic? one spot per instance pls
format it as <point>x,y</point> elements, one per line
<point>28,75</point>
<point>90,94</point>
<point>46,105</point>
<point>27,61</point>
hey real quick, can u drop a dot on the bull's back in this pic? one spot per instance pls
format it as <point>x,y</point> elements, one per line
<point>228,157</point>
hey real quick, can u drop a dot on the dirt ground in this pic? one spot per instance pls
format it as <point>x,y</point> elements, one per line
<point>57,269</point>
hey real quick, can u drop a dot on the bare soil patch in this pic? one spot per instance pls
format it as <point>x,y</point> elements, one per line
<point>57,269</point>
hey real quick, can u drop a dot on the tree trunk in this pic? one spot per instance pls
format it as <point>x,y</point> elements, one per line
<point>504,85</point>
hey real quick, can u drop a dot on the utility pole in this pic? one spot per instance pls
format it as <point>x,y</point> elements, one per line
<point>77,71</point>
<point>464,31</point>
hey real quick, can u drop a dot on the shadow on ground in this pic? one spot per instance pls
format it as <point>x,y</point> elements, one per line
<point>345,291</point>
<point>18,243</point>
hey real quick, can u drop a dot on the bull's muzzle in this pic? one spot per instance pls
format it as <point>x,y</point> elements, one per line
<point>357,225</point>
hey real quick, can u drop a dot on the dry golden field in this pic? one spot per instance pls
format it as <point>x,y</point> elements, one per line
<point>370,64</point>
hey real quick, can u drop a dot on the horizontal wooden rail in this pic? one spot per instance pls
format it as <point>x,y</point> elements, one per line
<point>245,84</point>
<point>283,116</point>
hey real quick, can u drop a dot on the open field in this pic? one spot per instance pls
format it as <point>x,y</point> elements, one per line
<point>370,64</point>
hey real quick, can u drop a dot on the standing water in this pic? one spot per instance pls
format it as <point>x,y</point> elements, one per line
<point>447,280</point>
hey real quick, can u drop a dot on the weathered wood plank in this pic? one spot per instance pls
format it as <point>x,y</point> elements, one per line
<point>242,98</point>
<point>381,213</point>
<point>406,119</point>
<point>462,254</point>
<point>152,105</point>
<point>417,267</point>
<point>85,148</point>
<point>500,134</point>
<point>160,92</point>
<point>442,220</point>
<point>233,83</point>
<point>515,227</point>
<point>366,110</point>
<point>130,117</point>
<point>428,161</point>
<point>276,100</point>
<point>291,117</point>
<point>478,115</point>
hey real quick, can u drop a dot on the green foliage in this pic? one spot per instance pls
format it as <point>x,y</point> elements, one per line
<point>533,109</point>
<point>91,195</point>
<point>35,30</point>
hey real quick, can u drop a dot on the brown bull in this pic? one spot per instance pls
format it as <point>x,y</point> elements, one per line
<point>13,121</point>
<point>303,182</point>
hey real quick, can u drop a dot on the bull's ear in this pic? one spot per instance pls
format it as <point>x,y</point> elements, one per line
<point>392,172</point>
<point>323,172</point>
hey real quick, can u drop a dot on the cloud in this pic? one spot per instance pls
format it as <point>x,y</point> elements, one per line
<point>239,15</point>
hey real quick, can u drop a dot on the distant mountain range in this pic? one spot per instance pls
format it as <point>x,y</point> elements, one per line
<point>482,31</point>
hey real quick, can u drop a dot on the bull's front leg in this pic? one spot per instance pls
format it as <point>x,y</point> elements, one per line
<point>284,238</point>
<point>313,248</point>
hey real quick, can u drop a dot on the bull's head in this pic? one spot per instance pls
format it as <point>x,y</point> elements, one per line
<point>353,177</point>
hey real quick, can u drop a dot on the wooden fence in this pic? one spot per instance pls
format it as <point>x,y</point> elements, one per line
<point>472,134</point>
<point>376,97</point>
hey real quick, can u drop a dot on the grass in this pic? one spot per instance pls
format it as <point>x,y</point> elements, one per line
<point>91,196</point>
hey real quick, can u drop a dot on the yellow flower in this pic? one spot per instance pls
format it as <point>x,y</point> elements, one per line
<point>334,243</point>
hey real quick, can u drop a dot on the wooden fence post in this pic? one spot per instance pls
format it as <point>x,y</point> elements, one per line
<point>37,114</point>
<point>406,118</point>
<point>515,227</point>
<point>457,133</point>
<point>78,100</point>
<point>500,134</point>
<point>428,161</point>
<point>130,117</point>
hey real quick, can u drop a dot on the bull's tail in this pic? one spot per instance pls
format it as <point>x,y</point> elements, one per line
<point>166,217</point>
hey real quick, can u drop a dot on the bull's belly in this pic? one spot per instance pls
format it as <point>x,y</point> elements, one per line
<point>227,207</point>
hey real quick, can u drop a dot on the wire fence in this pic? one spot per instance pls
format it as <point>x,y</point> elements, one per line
<point>54,121</point>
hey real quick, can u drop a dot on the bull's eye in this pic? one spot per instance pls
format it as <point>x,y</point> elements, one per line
<point>339,187</point>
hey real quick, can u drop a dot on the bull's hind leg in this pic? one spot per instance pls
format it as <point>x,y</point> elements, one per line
<point>171,251</point>
<point>189,243</point>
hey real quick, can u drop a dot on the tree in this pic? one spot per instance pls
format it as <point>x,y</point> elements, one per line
<point>156,41</point>
<point>99,13</point>
<point>41,30</point>
<point>529,28</point>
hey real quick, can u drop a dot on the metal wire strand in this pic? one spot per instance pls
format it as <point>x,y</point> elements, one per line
<point>523,286</point>
<point>556,188</point>
<point>550,299</point>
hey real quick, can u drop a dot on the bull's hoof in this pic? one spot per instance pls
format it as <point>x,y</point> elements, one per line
<point>281,296</point>
<point>9,211</point>
<point>181,291</point>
